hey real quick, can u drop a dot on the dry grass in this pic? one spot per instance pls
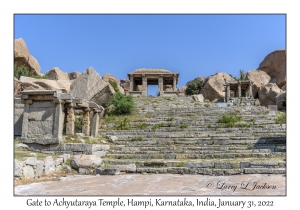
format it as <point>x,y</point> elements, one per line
<point>22,155</point>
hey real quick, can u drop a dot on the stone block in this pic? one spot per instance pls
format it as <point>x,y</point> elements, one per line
<point>223,165</point>
<point>131,168</point>
<point>65,157</point>
<point>199,164</point>
<point>107,171</point>
<point>31,161</point>
<point>84,161</point>
<point>18,168</point>
<point>58,161</point>
<point>22,147</point>
<point>39,168</point>
<point>28,172</point>
<point>99,153</point>
<point>49,165</point>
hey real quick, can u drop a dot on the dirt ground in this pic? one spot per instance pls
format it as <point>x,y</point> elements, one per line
<point>158,184</point>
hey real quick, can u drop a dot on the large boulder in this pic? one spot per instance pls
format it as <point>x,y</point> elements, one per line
<point>91,87</point>
<point>74,75</point>
<point>267,94</point>
<point>214,88</point>
<point>45,84</point>
<point>274,65</point>
<point>57,74</point>
<point>181,91</point>
<point>85,161</point>
<point>259,79</point>
<point>281,101</point>
<point>110,77</point>
<point>22,57</point>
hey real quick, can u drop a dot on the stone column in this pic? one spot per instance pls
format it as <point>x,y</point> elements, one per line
<point>86,122</point>
<point>145,85</point>
<point>161,85</point>
<point>25,119</point>
<point>250,90</point>
<point>95,124</point>
<point>174,83</point>
<point>239,90</point>
<point>227,93</point>
<point>70,125</point>
<point>131,83</point>
<point>58,120</point>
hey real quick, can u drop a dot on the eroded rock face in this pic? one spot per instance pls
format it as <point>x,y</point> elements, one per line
<point>274,65</point>
<point>267,94</point>
<point>281,100</point>
<point>214,87</point>
<point>45,84</point>
<point>259,79</point>
<point>22,57</point>
<point>57,74</point>
<point>74,75</point>
<point>85,161</point>
<point>91,87</point>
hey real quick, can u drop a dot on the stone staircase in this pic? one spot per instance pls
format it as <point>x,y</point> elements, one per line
<point>182,136</point>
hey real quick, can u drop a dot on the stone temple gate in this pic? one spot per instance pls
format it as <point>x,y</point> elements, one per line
<point>141,78</point>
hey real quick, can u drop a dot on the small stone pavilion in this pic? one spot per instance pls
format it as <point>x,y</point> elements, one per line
<point>238,89</point>
<point>50,113</point>
<point>141,78</point>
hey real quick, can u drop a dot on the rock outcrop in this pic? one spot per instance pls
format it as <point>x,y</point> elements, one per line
<point>91,87</point>
<point>57,74</point>
<point>18,86</point>
<point>181,91</point>
<point>198,97</point>
<point>267,94</point>
<point>274,65</point>
<point>108,77</point>
<point>22,57</point>
<point>214,88</point>
<point>125,84</point>
<point>45,84</point>
<point>74,75</point>
<point>281,101</point>
<point>259,79</point>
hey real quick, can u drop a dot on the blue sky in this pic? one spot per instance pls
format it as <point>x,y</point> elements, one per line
<point>192,45</point>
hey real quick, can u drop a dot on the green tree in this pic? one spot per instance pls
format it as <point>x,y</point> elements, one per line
<point>25,71</point>
<point>122,105</point>
<point>241,77</point>
<point>193,87</point>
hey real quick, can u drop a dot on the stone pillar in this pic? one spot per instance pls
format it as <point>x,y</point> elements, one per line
<point>95,124</point>
<point>239,90</point>
<point>70,125</point>
<point>58,120</point>
<point>227,93</point>
<point>131,83</point>
<point>145,85</point>
<point>174,83</point>
<point>25,119</point>
<point>86,122</point>
<point>161,85</point>
<point>250,90</point>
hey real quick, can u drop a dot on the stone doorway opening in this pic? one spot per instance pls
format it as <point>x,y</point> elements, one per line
<point>152,90</point>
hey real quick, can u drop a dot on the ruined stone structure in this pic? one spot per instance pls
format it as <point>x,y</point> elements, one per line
<point>44,116</point>
<point>238,89</point>
<point>141,78</point>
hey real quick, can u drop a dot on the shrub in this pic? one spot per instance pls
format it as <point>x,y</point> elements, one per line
<point>229,120</point>
<point>183,126</point>
<point>78,123</point>
<point>123,105</point>
<point>114,85</point>
<point>25,71</point>
<point>125,124</point>
<point>157,126</point>
<point>170,119</point>
<point>138,138</point>
<point>141,126</point>
<point>207,105</point>
<point>193,87</point>
<point>281,119</point>
<point>241,77</point>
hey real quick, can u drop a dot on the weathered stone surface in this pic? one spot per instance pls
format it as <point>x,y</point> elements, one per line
<point>73,75</point>
<point>91,87</point>
<point>22,147</point>
<point>49,165</point>
<point>46,84</point>
<point>264,170</point>
<point>214,88</point>
<point>28,172</point>
<point>99,153</point>
<point>34,65</point>
<point>199,164</point>
<point>83,161</point>
<point>111,138</point>
<point>198,97</point>
<point>107,77</point>
<point>39,168</point>
<point>125,84</point>
<point>31,161</point>
<point>281,100</point>
<point>21,50</point>
<point>57,74</point>
<point>274,64</point>
<point>18,168</point>
<point>222,172</point>
<point>267,94</point>
<point>259,79</point>
<point>18,87</point>
<point>131,168</point>
<point>65,157</point>
<point>181,91</point>
<point>223,165</point>
<point>84,171</point>
<point>58,161</point>
<point>107,171</point>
